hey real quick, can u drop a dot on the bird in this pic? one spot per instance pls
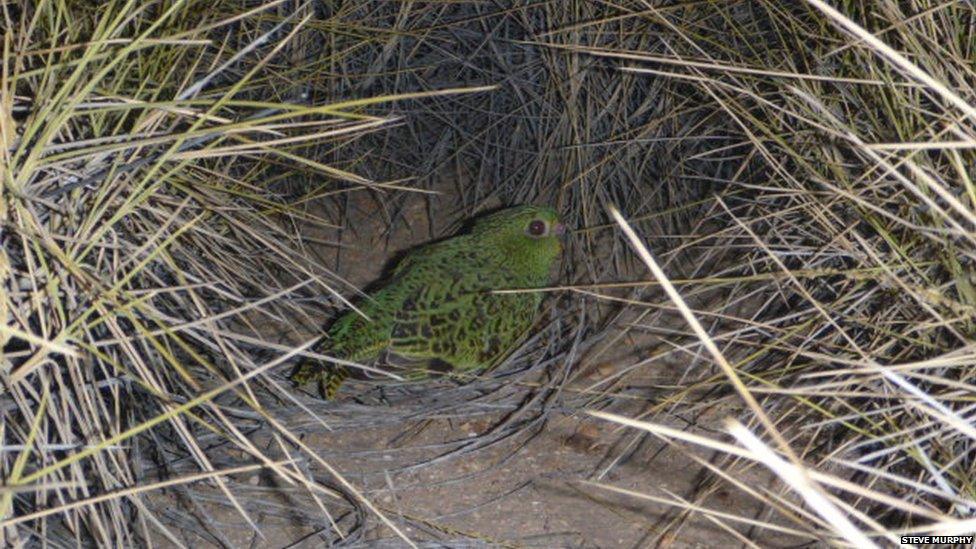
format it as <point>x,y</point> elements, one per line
<point>438,306</point>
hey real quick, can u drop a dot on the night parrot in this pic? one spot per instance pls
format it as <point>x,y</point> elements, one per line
<point>438,308</point>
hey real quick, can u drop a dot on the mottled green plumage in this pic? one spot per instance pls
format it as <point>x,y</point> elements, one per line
<point>438,303</point>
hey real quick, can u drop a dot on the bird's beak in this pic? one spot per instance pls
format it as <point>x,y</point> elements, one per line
<point>560,229</point>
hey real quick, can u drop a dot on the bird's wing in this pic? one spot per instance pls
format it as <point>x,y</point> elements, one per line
<point>466,325</point>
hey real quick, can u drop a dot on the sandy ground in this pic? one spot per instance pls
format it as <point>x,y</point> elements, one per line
<point>538,491</point>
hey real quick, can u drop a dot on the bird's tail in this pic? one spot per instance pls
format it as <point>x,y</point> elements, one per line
<point>329,376</point>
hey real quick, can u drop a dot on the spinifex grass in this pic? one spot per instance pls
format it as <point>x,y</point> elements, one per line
<point>837,275</point>
<point>144,245</point>
<point>151,236</point>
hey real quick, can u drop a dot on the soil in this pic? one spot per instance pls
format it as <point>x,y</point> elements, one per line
<point>545,489</point>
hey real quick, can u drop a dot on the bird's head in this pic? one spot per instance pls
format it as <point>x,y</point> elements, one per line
<point>526,235</point>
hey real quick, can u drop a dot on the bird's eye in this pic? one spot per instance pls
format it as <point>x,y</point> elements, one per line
<point>536,228</point>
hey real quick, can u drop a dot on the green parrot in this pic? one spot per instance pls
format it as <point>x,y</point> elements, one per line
<point>438,307</point>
